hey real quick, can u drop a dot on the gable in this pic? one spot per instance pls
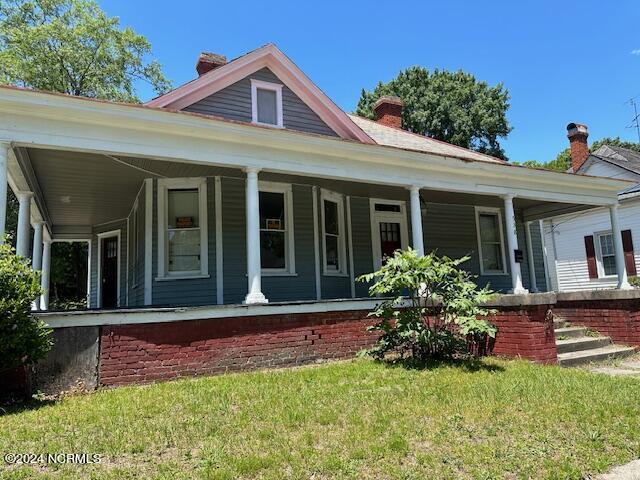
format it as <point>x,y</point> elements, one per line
<point>280,65</point>
<point>234,102</point>
<point>601,168</point>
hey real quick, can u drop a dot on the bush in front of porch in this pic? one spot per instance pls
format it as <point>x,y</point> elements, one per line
<point>23,338</point>
<point>441,312</point>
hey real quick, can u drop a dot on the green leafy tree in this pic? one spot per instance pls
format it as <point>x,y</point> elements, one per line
<point>24,337</point>
<point>444,314</point>
<point>450,106</point>
<point>563,161</point>
<point>72,46</point>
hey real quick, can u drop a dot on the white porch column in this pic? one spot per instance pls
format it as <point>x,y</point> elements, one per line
<point>255,294</point>
<point>46,272</point>
<point>512,244</point>
<point>533,282</point>
<point>36,263</point>
<point>24,219</point>
<point>416,220</point>
<point>623,282</point>
<point>4,160</point>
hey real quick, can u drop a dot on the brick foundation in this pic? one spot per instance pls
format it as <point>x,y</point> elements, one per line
<point>527,333</point>
<point>619,319</point>
<point>159,351</point>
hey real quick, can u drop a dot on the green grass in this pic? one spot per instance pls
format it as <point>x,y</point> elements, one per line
<point>350,420</point>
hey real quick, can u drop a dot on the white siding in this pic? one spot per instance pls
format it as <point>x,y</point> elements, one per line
<point>564,238</point>
<point>604,169</point>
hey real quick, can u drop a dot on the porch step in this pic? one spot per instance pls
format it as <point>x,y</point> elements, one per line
<point>571,332</point>
<point>581,343</point>
<point>560,323</point>
<point>581,357</point>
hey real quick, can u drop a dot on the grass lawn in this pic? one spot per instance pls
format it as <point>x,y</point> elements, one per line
<point>349,420</point>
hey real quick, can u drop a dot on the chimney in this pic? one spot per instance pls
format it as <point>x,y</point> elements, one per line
<point>207,61</point>
<point>388,111</point>
<point>578,134</point>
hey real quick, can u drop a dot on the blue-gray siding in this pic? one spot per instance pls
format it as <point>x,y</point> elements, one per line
<point>136,252</point>
<point>234,102</point>
<point>448,229</point>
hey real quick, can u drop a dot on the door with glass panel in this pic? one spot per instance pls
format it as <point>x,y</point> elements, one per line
<point>388,229</point>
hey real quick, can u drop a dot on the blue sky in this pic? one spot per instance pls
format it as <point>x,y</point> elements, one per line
<point>561,61</point>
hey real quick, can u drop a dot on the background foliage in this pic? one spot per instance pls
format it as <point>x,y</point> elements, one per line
<point>450,106</point>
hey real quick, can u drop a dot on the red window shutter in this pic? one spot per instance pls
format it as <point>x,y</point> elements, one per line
<point>591,256</point>
<point>627,247</point>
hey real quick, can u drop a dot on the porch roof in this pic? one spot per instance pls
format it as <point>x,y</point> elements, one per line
<point>42,120</point>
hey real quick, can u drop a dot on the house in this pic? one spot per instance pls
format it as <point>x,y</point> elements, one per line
<point>580,245</point>
<point>229,219</point>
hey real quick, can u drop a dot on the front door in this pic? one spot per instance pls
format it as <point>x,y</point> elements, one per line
<point>389,229</point>
<point>109,272</point>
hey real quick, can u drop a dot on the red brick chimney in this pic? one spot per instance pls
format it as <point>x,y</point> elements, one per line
<point>207,61</point>
<point>388,111</point>
<point>578,134</point>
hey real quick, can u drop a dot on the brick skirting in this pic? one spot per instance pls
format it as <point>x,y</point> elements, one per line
<point>159,351</point>
<point>619,319</point>
<point>527,333</point>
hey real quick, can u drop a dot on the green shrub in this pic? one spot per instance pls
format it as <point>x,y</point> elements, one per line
<point>634,281</point>
<point>23,338</point>
<point>441,314</point>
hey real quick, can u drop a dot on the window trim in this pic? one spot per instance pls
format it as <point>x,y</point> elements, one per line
<point>164,185</point>
<point>338,199</point>
<point>376,217</point>
<point>135,222</point>
<point>289,244</point>
<point>498,213</point>
<point>274,87</point>
<point>599,259</point>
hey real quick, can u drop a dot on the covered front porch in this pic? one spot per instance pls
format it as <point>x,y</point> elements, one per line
<point>181,210</point>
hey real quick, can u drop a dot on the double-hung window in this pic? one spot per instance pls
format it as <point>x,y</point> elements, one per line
<point>266,103</point>
<point>606,255</point>
<point>490,241</point>
<point>277,254</point>
<point>182,228</point>
<point>333,233</point>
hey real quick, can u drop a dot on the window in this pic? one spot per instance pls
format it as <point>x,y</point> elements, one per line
<point>490,241</point>
<point>606,255</point>
<point>276,229</point>
<point>266,103</point>
<point>182,228</point>
<point>333,231</point>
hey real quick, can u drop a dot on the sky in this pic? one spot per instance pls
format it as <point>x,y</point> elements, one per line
<point>560,61</point>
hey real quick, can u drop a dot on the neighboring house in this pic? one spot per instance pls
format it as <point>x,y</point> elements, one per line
<point>249,185</point>
<point>580,248</point>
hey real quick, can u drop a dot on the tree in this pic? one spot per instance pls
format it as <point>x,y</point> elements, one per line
<point>563,161</point>
<point>73,47</point>
<point>439,295</point>
<point>450,106</point>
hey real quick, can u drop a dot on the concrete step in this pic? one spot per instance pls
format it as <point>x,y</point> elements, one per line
<point>581,343</point>
<point>571,359</point>
<point>571,332</point>
<point>560,323</point>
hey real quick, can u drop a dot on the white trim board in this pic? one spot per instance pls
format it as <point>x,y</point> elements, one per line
<point>217,190</point>
<point>162,315</point>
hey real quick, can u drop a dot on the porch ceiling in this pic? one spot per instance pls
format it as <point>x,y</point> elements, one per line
<point>84,189</point>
